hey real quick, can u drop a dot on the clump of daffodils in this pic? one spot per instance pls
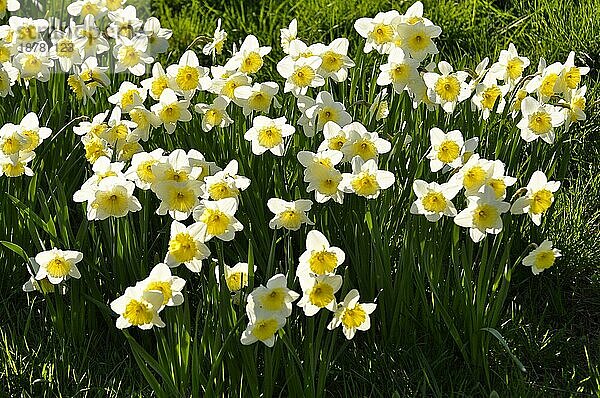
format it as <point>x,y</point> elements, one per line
<point>346,155</point>
<point>30,51</point>
<point>485,184</point>
<point>18,143</point>
<point>317,275</point>
<point>267,309</point>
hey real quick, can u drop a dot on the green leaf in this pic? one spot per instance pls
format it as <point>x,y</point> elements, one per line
<point>502,341</point>
<point>15,248</point>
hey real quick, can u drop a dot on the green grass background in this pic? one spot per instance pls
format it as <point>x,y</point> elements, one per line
<point>551,323</point>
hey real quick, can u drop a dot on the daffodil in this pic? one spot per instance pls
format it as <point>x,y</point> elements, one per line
<point>268,135</point>
<point>113,198</point>
<point>575,110</point>
<point>218,218</point>
<point>365,144</point>
<point>95,128</point>
<point>95,147</point>
<point>249,58</point>
<point>177,167</point>
<point>119,130</point>
<point>300,74</point>
<point>128,97</point>
<point>319,292</point>
<point>64,49</point>
<point>400,71</point>
<point>414,14</point>
<point>538,198</point>
<point>16,165</point>
<point>186,246</point>
<point>366,179</point>
<point>320,258</point>
<point>145,120</point>
<point>29,128</point>
<point>161,279</point>
<point>482,215</point>
<point>236,277</point>
<point>487,94</point>
<point>56,265</point>
<point>318,163</point>
<point>287,35</point>
<point>131,54</point>
<point>215,114</point>
<point>94,75</point>
<point>126,149</point>
<point>434,200</point>
<point>7,50</point>
<point>141,170</point>
<point>178,198</point>
<point>327,186</point>
<point>335,61</point>
<point>510,66</point>
<point>11,142</point>
<point>27,30</point>
<point>447,149</point>
<point>113,5</point>
<point>188,76</point>
<point>215,47</point>
<point>257,98</point>
<point>156,84</point>
<point>225,183</point>
<point>379,31</point>
<point>447,88</point>
<point>570,76</point>
<point>474,174</point>
<point>546,82</point>
<point>197,159</point>
<point>418,91</point>
<point>335,137</point>
<point>83,8</point>
<point>417,39</point>
<point>299,49</point>
<point>352,315</point>
<point>542,257</point>
<point>274,299</point>
<point>44,285</point>
<point>225,82</point>
<point>138,308</point>
<point>78,87</point>
<point>539,120</point>
<point>481,74</point>
<point>8,77</point>
<point>34,65</point>
<point>102,168</point>
<point>158,37</point>
<point>262,328</point>
<point>321,174</point>
<point>324,109</point>
<point>124,23</point>
<point>289,215</point>
<point>171,110</point>
<point>498,181</point>
<point>90,39</point>
<point>304,102</point>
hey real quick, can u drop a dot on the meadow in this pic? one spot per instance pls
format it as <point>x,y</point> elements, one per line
<point>451,303</point>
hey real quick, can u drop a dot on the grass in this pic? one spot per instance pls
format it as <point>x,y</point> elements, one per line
<point>428,342</point>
